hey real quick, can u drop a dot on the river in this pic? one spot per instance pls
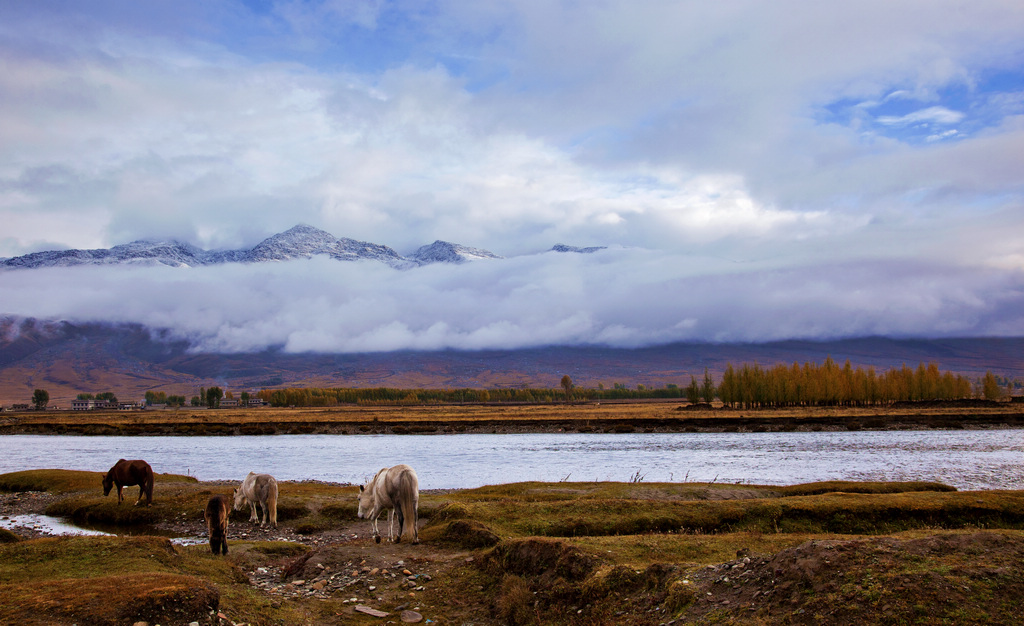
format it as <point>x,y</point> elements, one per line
<point>966,459</point>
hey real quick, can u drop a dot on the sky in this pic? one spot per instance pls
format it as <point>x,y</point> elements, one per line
<point>757,170</point>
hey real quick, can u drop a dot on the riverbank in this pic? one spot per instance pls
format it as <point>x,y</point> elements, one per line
<point>607,417</point>
<point>525,553</point>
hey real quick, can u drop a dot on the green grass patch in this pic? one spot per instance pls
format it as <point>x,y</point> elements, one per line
<point>68,481</point>
<point>846,486</point>
<point>579,514</point>
<point>115,580</point>
<point>280,548</point>
<point>80,557</point>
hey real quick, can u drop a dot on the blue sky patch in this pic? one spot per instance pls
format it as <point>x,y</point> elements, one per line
<point>951,113</point>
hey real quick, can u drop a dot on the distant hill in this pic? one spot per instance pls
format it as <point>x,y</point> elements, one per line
<point>67,359</point>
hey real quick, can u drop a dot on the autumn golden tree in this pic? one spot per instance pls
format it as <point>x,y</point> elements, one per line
<point>567,386</point>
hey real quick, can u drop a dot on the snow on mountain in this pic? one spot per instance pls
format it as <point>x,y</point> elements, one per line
<point>300,242</point>
<point>173,253</point>
<point>303,242</point>
<point>445,252</point>
<point>561,247</point>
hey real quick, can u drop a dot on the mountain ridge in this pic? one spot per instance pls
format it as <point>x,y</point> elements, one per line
<point>299,242</point>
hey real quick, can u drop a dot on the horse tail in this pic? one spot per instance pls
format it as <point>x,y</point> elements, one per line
<point>149,484</point>
<point>272,502</point>
<point>407,504</point>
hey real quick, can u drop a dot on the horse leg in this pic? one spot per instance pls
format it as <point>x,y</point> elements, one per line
<point>401,524</point>
<point>120,493</point>
<point>253,517</point>
<point>142,490</point>
<point>376,532</point>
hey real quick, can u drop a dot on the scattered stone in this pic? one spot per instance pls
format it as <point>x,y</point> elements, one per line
<point>411,617</point>
<point>362,608</point>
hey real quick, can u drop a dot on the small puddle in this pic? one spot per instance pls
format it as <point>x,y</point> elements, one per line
<point>56,526</point>
<point>46,525</point>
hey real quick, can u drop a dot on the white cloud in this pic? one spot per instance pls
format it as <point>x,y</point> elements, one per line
<point>674,128</point>
<point>931,115</point>
<point>614,297</point>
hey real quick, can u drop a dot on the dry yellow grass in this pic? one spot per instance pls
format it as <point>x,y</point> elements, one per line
<point>604,416</point>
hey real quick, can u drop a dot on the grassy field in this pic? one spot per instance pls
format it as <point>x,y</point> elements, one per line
<point>533,553</point>
<point>653,416</point>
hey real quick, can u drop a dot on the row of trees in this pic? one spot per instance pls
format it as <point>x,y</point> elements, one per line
<point>103,396</point>
<point>746,386</point>
<point>324,397</point>
<point>829,384</point>
<point>160,397</point>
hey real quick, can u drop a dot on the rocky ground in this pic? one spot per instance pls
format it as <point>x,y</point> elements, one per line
<point>14,505</point>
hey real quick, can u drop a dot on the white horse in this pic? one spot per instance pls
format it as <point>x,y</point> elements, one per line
<point>395,488</point>
<point>261,488</point>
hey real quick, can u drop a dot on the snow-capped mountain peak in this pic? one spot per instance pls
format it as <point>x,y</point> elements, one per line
<point>561,247</point>
<point>299,242</point>
<point>446,252</point>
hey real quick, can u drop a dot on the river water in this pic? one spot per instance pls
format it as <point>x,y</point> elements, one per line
<point>966,459</point>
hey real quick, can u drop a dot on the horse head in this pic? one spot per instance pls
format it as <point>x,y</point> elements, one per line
<point>240,499</point>
<point>366,502</point>
<point>108,484</point>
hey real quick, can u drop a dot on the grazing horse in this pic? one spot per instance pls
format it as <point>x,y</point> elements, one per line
<point>216,514</point>
<point>127,474</point>
<point>261,488</point>
<point>395,488</point>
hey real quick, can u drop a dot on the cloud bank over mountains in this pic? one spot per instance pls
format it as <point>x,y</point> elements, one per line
<point>755,170</point>
<point>617,297</point>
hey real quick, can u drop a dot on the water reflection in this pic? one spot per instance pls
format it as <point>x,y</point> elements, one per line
<point>46,525</point>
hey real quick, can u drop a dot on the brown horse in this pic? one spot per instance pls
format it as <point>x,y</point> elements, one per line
<point>127,474</point>
<point>216,514</point>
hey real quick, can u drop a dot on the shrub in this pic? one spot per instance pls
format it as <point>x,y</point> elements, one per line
<point>514,604</point>
<point>464,534</point>
<point>7,536</point>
